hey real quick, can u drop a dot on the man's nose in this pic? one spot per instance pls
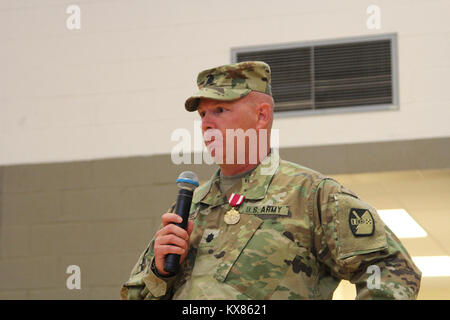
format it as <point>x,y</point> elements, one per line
<point>208,122</point>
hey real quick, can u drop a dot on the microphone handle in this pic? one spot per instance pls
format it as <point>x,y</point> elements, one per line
<point>182,208</point>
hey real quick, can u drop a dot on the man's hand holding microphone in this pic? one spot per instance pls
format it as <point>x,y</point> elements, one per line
<point>172,240</point>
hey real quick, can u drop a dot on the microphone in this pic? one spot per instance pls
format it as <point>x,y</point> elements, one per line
<point>187,181</point>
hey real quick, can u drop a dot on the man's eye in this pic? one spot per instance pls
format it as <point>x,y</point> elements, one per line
<point>219,110</point>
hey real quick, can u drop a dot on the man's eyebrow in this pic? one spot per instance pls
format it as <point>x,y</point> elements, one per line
<point>218,104</point>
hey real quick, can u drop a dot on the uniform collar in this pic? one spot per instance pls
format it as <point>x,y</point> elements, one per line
<point>253,187</point>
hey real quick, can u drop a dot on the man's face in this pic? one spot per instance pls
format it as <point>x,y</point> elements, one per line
<point>223,115</point>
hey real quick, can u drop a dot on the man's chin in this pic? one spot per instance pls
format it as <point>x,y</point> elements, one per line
<point>218,159</point>
<point>212,146</point>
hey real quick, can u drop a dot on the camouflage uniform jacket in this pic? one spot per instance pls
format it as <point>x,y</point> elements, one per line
<point>299,234</point>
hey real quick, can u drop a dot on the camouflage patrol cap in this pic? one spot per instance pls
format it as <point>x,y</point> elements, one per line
<point>231,82</point>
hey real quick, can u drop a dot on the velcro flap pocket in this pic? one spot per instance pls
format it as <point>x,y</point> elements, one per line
<point>259,263</point>
<point>238,238</point>
<point>359,228</point>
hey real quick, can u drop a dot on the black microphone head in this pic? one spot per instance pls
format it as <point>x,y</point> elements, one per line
<point>187,180</point>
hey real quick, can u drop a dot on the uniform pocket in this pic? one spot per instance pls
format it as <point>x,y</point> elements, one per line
<point>359,228</point>
<point>257,265</point>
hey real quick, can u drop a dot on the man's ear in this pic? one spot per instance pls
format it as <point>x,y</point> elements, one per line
<point>264,115</point>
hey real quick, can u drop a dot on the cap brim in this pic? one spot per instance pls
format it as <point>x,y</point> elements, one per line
<point>216,93</point>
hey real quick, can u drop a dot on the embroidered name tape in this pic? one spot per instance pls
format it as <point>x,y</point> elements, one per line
<point>265,209</point>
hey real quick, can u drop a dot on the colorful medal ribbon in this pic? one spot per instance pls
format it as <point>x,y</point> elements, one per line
<point>233,216</point>
<point>235,199</point>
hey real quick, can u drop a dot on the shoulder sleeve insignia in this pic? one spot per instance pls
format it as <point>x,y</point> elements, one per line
<point>361,222</point>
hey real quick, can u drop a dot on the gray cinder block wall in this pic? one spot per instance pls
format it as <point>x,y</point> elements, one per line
<point>98,215</point>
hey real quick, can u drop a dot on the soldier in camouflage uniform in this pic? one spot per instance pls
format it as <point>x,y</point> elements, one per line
<point>299,232</point>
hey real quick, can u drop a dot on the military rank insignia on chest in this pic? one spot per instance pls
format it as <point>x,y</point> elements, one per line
<point>233,216</point>
<point>361,222</point>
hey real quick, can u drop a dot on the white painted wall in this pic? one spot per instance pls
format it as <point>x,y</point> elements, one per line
<point>117,86</point>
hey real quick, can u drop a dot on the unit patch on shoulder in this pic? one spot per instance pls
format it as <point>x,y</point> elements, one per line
<point>361,222</point>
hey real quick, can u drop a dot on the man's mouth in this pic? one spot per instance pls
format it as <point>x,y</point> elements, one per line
<point>211,144</point>
<point>210,136</point>
<point>207,142</point>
